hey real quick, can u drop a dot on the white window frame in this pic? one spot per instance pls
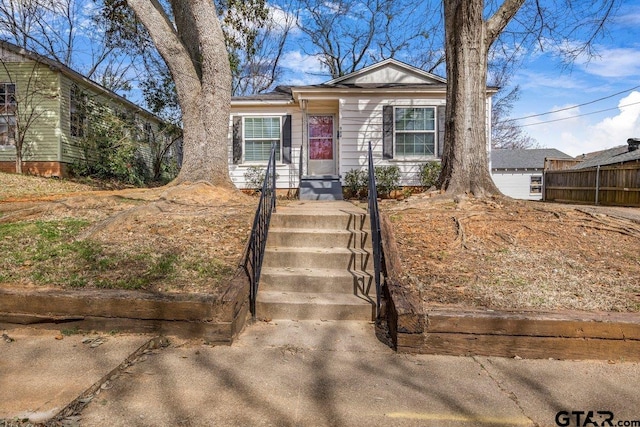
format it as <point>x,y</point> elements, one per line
<point>77,119</point>
<point>533,185</point>
<point>434,132</point>
<point>245,139</point>
<point>8,115</point>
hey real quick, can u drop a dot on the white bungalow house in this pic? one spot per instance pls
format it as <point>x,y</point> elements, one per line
<point>322,131</point>
<point>519,173</point>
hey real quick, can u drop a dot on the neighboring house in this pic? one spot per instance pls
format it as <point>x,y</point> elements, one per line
<point>519,173</point>
<point>608,177</point>
<point>48,100</point>
<point>622,154</point>
<point>322,131</point>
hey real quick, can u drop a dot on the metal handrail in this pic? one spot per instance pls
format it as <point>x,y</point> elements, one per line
<point>258,241</point>
<point>376,241</point>
<point>300,166</point>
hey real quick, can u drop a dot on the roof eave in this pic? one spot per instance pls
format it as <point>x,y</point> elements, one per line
<point>74,75</point>
<point>258,102</point>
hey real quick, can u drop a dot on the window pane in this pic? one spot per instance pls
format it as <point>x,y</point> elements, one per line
<point>415,144</point>
<point>536,184</point>
<point>7,130</point>
<point>262,127</point>
<point>321,149</point>
<point>259,150</point>
<point>415,119</point>
<point>320,126</point>
<point>260,133</point>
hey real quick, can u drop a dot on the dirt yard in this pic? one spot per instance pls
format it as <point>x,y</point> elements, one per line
<point>507,254</point>
<point>176,239</point>
<point>497,254</point>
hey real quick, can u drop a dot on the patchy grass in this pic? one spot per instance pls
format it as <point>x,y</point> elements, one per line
<point>16,187</point>
<point>187,239</point>
<point>49,253</point>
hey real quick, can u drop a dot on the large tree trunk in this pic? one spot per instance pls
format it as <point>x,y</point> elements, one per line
<point>197,58</point>
<point>465,166</point>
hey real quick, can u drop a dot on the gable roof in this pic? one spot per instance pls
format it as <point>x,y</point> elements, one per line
<point>524,159</point>
<point>389,75</point>
<point>619,154</point>
<point>381,72</point>
<point>72,74</point>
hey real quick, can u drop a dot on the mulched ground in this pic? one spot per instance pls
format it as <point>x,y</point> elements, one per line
<point>496,253</point>
<point>506,254</point>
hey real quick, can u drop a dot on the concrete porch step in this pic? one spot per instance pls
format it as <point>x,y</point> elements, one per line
<point>319,220</point>
<point>300,237</point>
<point>306,306</point>
<point>326,187</point>
<point>349,259</point>
<point>317,280</point>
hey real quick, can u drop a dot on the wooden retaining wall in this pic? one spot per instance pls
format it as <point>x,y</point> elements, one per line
<point>611,185</point>
<point>216,319</point>
<point>418,328</point>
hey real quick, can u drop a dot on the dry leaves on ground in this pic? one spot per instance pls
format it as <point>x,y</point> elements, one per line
<point>506,254</point>
<point>187,238</point>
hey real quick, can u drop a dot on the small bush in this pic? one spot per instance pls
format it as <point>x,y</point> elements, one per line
<point>429,173</point>
<point>110,149</point>
<point>356,183</point>
<point>254,177</point>
<point>387,179</point>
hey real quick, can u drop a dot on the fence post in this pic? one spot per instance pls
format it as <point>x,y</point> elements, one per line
<point>597,184</point>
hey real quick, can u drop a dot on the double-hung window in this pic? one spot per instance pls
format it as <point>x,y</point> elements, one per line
<point>259,135</point>
<point>7,114</point>
<point>415,131</point>
<point>77,117</point>
<point>535,186</point>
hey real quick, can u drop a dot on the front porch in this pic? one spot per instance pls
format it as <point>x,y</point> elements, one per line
<point>320,187</point>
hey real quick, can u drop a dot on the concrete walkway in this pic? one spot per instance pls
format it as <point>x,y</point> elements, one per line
<point>306,373</point>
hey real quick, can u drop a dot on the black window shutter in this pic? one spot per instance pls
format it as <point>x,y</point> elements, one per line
<point>237,140</point>
<point>387,132</point>
<point>286,139</point>
<point>441,110</point>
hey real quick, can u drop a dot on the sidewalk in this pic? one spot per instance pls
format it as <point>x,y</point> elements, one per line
<point>311,373</point>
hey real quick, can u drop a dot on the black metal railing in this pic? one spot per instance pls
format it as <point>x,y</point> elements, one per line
<point>300,166</point>
<point>258,239</point>
<point>376,235</point>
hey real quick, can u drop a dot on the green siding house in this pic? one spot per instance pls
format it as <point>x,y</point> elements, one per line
<point>45,99</point>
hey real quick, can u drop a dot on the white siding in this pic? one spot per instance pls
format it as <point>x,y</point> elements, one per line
<point>360,121</point>
<point>287,173</point>
<point>516,184</point>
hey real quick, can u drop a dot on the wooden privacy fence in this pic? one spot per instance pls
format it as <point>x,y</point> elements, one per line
<point>605,185</point>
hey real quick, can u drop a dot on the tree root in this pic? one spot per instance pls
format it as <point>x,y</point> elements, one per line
<point>539,231</point>
<point>461,238</point>
<point>609,223</point>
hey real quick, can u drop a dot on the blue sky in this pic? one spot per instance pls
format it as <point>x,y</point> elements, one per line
<point>547,84</point>
<point>612,77</point>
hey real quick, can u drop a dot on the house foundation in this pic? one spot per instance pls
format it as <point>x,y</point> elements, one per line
<point>46,169</point>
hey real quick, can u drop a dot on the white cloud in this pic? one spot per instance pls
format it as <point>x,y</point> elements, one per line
<point>583,134</point>
<point>543,80</point>
<point>629,15</point>
<point>302,69</point>
<point>626,124</point>
<point>614,62</point>
<point>281,19</point>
